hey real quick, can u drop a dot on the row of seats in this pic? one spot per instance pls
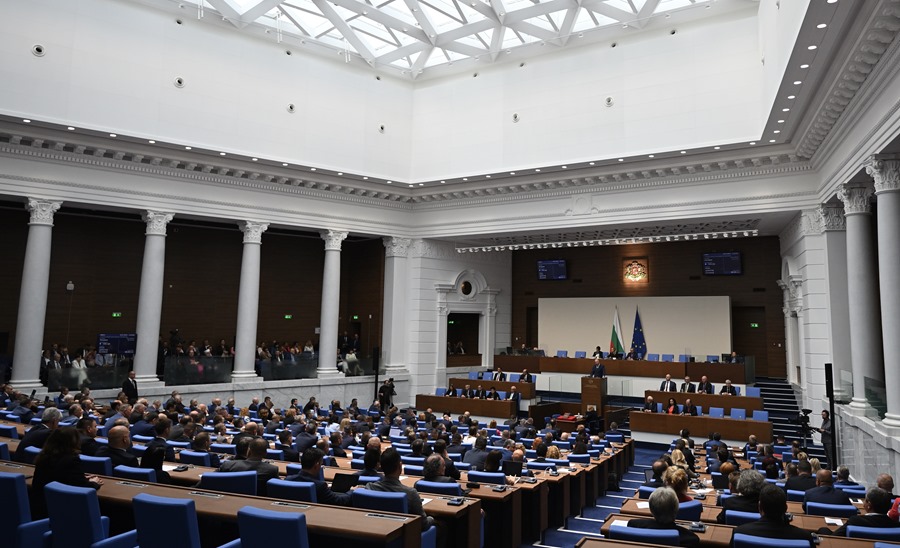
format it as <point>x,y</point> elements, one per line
<point>719,412</point>
<point>486,376</point>
<point>669,537</point>
<point>650,357</point>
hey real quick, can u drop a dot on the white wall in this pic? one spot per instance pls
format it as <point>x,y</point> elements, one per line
<point>672,325</point>
<point>779,24</point>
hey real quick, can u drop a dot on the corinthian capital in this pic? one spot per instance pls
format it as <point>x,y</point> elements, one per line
<point>832,217</point>
<point>253,231</point>
<point>42,211</point>
<point>857,198</point>
<point>156,222</point>
<point>333,239</point>
<point>885,170</point>
<point>396,247</point>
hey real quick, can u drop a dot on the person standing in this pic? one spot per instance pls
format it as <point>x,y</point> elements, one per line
<point>825,430</point>
<point>130,388</point>
<point>386,393</point>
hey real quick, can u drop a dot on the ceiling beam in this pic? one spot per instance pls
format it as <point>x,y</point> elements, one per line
<point>565,32</point>
<point>380,16</point>
<point>424,22</point>
<point>257,11</point>
<point>294,21</point>
<point>400,53</point>
<point>348,33</point>
<point>463,31</point>
<point>227,11</point>
<point>539,9</point>
<point>606,10</point>
<point>647,11</point>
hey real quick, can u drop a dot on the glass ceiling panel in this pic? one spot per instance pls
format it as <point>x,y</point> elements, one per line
<point>381,29</point>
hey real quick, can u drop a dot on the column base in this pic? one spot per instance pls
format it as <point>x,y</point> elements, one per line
<point>25,385</point>
<point>891,420</point>
<point>395,369</point>
<point>861,408</point>
<point>149,382</point>
<point>328,373</point>
<point>245,376</point>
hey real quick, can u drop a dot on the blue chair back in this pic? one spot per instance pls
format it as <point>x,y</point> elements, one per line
<point>762,416</point>
<point>239,483</point>
<point>684,358</point>
<point>690,510</point>
<point>540,465</point>
<point>96,465</point>
<point>164,521</point>
<point>753,392</point>
<point>30,454</point>
<point>487,477</point>
<point>379,500</point>
<point>365,480</point>
<point>615,438</point>
<point>514,377</point>
<point>644,492</point>
<point>304,491</point>
<point>718,412</point>
<point>874,533</point>
<point>652,357</point>
<point>580,354</point>
<point>662,537</point>
<point>266,528</point>
<point>13,489</point>
<point>736,517</point>
<point>712,359</point>
<point>795,496</point>
<point>740,540</point>
<point>563,445</point>
<point>417,461</point>
<point>462,466</point>
<point>9,431</point>
<point>737,413</point>
<point>225,448</point>
<point>562,353</point>
<point>179,444</point>
<point>439,487</point>
<point>831,510</point>
<point>668,357</point>
<point>581,459</point>
<point>275,454</point>
<point>134,473</point>
<point>196,458</point>
<point>440,391</point>
<point>357,464</point>
<point>142,439</point>
<point>413,470</point>
<point>75,519</point>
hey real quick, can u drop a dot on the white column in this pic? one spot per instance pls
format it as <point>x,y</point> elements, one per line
<point>865,332</point>
<point>33,295</point>
<point>151,295</point>
<point>886,172</point>
<point>331,301</point>
<point>489,335</point>
<point>248,301</point>
<point>394,342</point>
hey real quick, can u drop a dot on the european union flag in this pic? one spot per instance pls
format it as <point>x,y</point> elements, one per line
<point>638,342</point>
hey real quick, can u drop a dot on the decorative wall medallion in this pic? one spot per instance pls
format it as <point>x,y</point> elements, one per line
<point>636,270</point>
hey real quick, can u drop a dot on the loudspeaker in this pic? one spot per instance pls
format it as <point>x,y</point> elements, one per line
<point>829,381</point>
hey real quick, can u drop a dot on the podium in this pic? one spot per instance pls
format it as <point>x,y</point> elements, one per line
<point>593,392</point>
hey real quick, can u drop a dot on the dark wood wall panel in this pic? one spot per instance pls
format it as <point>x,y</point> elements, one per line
<point>676,269</point>
<point>102,256</point>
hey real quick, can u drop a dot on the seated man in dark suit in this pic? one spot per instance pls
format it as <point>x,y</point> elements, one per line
<point>286,444</point>
<point>689,408</point>
<point>116,448</point>
<point>492,394</point>
<point>772,522</point>
<point>728,389</point>
<point>526,376</point>
<point>804,481</point>
<point>659,468</point>
<point>843,476</point>
<point>477,455</point>
<point>310,466</point>
<point>513,394</point>
<point>201,444</point>
<point>158,451</point>
<point>87,432</point>
<point>649,405</point>
<point>614,429</point>
<point>254,461</point>
<point>688,386</point>
<point>824,491</point>
<point>705,387</point>
<point>499,375</point>
<point>370,463</point>
<point>664,507</point>
<point>37,435</point>
<point>875,509</point>
<point>750,483</point>
<point>435,468</point>
<point>392,467</point>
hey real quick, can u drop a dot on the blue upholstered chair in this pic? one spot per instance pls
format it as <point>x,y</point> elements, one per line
<point>266,528</point>
<point>717,412</point>
<point>531,465</point>
<point>795,496</point>
<point>749,541</point>
<point>668,357</point>
<point>365,480</point>
<point>196,458</point>
<point>163,521</point>
<point>736,517</point>
<point>390,502</point>
<point>753,392</point>
<point>762,416</point>
<point>30,454</point>
<point>134,473</point>
<point>442,488</point>
<point>737,413</point>
<point>711,358</point>
<point>581,459</point>
<point>684,358</point>
<point>831,510</point>
<point>690,510</point>
<point>580,354</point>
<point>652,357</point>
<point>75,520</point>
<point>440,391</point>
<point>9,431</point>
<point>662,537</point>
<point>416,461</point>
<point>15,521</point>
<point>644,492</point>
<point>874,533</point>
<point>487,477</point>
<point>462,466</point>
<point>96,465</point>
<point>562,353</point>
<point>275,454</point>
<point>4,452</point>
<point>225,448</point>
<point>357,464</point>
<point>303,491</point>
<point>413,470</point>
<point>239,483</point>
<point>563,445</point>
<point>473,375</point>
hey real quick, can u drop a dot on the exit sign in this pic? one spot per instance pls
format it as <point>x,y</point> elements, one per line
<point>356,316</point>
<point>754,324</point>
<point>450,322</point>
<point>288,316</point>
<point>116,314</point>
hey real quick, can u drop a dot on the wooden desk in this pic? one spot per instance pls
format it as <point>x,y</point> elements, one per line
<point>709,400</point>
<point>716,372</point>
<point>463,360</point>
<point>504,514</point>
<point>524,388</point>
<point>715,536</point>
<point>457,406</point>
<point>731,429</point>
<point>20,428</point>
<point>218,513</point>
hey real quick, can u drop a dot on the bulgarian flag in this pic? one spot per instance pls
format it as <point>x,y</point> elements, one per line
<point>615,340</point>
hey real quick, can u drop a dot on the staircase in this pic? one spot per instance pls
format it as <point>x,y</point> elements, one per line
<point>781,403</point>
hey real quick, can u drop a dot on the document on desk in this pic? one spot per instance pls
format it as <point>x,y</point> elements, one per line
<point>425,501</point>
<point>169,467</point>
<point>620,522</point>
<point>643,504</point>
<point>834,521</point>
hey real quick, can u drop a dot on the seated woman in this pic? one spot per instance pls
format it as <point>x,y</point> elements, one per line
<point>672,407</point>
<point>492,464</point>
<point>553,452</point>
<point>677,479</point>
<point>451,391</point>
<point>308,347</point>
<point>58,461</point>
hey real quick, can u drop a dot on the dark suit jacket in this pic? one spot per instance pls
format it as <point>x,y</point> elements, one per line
<point>668,386</point>
<point>728,390</point>
<point>800,483</point>
<point>598,370</point>
<point>688,387</point>
<point>118,456</point>
<point>685,537</point>
<point>304,441</point>
<point>526,378</point>
<point>690,410</point>
<point>866,520</point>
<point>739,503</point>
<point>773,528</point>
<point>89,446</point>
<point>157,452</point>
<point>131,391</point>
<point>650,407</point>
<point>324,494</point>
<point>481,394</point>
<point>66,470</point>
<point>476,458</point>
<point>706,388</point>
<point>825,494</point>
<point>502,376</point>
<point>33,438</point>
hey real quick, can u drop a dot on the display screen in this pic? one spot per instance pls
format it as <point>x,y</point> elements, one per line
<point>116,343</point>
<point>552,270</point>
<point>722,264</point>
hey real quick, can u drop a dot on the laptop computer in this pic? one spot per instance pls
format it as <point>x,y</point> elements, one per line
<point>512,468</point>
<point>343,482</point>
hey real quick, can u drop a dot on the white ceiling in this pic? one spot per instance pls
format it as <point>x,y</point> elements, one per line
<point>406,37</point>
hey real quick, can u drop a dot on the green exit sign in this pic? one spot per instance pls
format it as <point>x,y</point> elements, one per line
<point>288,316</point>
<point>754,325</point>
<point>451,322</point>
<point>356,316</point>
<point>116,314</point>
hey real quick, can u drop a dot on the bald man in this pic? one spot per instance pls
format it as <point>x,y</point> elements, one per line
<point>118,442</point>
<point>824,491</point>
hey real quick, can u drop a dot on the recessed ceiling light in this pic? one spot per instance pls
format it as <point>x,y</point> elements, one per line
<point>821,26</point>
<point>716,148</point>
<point>488,176</point>
<point>113,135</point>
<point>752,142</point>
<point>410,186</point>
<point>832,1</point>
<point>465,178</point>
<point>512,172</point>
<point>592,163</point>
<point>365,178</point>
<point>565,167</point>
<point>797,82</point>
<point>421,184</point>
<point>804,66</point>
<point>538,169</point>
<point>780,121</point>
<point>684,152</point>
<point>284,164</point>
<point>388,182</point>
<point>26,120</point>
<point>189,148</point>
<point>70,128</point>
<point>312,169</point>
<point>785,110</point>
<point>792,96</point>
<point>340,173</point>
<point>443,182</point>
<point>152,142</point>
<point>771,140</point>
<point>221,154</point>
<point>621,159</point>
<point>810,48</point>
<point>651,156</point>
<point>777,131</point>
<point>255,159</point>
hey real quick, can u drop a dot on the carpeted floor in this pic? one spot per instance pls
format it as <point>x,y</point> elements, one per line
<point>589,523</point>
